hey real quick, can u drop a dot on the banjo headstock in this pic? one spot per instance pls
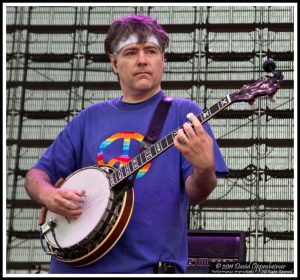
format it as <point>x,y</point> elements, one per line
<point>266,86</point>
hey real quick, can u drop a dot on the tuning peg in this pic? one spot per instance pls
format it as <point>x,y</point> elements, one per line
<point>252,105</point>
<point>272,98</point>
<point>269,66</point>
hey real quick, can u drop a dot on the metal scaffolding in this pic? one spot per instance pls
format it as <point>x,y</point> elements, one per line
<point>56,66</point>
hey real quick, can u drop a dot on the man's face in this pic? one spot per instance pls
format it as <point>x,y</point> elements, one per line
<point>139,67</point>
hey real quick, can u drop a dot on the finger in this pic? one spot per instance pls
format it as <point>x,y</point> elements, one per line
<point>198,128</point>
<point>72,216</point>
<point>80,192</point>
<point>68,199</point>
<point>189,131</point>
<point>64,210</point>
<point>74,195</point>
<point>179,145</point>
<point>70,205</point>
<point>181,137</point>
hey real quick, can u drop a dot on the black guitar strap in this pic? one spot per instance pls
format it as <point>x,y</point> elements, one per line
<point>155,127</point>
<point>157,122</point>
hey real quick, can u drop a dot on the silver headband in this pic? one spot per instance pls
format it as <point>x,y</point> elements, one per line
<point>133,39</point>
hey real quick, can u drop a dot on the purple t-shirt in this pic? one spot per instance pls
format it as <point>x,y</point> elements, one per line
<point>111,133</point>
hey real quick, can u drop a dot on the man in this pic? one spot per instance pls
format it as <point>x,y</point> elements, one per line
<point>111,132</point>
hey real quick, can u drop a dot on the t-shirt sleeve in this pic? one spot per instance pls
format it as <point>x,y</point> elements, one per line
<point>61,158</point>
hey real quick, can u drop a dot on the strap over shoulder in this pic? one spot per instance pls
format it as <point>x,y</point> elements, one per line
<point>157,122</point>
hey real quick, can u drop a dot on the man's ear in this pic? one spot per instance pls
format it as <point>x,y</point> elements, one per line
<point>164,59</point>
<point>113,62</point>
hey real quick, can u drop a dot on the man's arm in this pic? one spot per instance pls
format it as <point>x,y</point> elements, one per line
<point>38,186</point>
<point>61,201</point>
<point>197,147</point>
<point>200,184</point>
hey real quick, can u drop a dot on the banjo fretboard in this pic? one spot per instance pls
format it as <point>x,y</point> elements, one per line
<point>162,145</point>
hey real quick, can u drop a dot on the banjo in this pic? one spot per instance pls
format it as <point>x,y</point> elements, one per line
<point>80,243</point>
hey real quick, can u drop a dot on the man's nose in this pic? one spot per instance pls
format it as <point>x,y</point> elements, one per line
<point>142,57</point>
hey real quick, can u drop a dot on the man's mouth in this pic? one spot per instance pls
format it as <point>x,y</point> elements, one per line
<point>142,73</point>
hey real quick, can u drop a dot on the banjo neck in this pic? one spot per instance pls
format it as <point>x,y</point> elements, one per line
<point>162,145</point>
<point>266,86</point>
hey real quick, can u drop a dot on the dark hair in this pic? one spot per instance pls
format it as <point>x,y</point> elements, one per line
<point>142,26</point>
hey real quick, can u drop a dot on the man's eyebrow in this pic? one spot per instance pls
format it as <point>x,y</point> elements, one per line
<point>151,47</point>
<point>131,49</point>
<point>134,48</point>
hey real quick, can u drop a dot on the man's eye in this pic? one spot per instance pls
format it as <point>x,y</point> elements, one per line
<point>152,51</point>
<point>130,53</point>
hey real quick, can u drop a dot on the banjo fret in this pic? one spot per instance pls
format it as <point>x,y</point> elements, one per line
<point>153,151</point>
<point>139,160</point>
<point>135,164</point>
<point>170,139</point>
<point>130,165</point>
<point>120,174</point>
<point>148,155</point>
<point>111,180</point>
<point>117,176</point>
<point>127,170</point>
<point>143,158</point>
<point>158,147</point>
<point>123,171</point>
<point>164,143</point>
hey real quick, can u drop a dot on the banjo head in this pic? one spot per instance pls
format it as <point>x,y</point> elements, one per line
<point>71,232</point>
